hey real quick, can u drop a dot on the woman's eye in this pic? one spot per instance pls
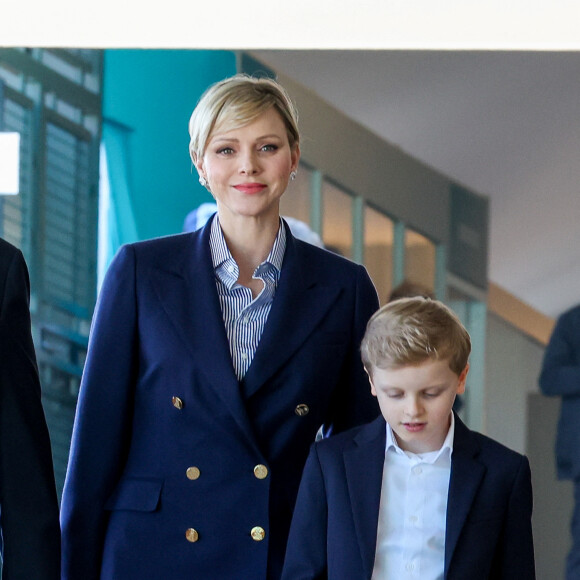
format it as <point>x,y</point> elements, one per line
<point>225,151</point>
<point>269,147</point>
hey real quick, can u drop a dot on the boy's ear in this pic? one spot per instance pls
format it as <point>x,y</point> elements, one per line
<point>373,390</point>
<point>462,380</point>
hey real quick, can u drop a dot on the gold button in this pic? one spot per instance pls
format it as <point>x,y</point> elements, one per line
<point>258,534</point>
<point>192,473</point>
<point>191,535</point>
<point>177,402</point>
<point>261,471</point>
<point>302,410</point>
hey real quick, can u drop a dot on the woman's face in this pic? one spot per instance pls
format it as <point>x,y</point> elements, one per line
<point>247,169</point>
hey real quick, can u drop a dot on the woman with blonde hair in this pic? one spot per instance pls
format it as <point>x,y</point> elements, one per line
<point>214,358</point>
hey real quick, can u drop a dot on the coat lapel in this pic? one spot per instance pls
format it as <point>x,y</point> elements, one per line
<point>466,476</point>
<point>300,303</point>
<point>187,291</point>
<point>367,457</point>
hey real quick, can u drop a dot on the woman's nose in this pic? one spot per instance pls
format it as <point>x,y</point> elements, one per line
<point>248,164</point>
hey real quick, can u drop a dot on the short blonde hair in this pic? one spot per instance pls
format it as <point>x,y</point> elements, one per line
<point>235,102</point>
<point>411,330</point>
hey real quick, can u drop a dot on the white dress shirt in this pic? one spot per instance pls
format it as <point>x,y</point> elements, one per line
<point>413,511</point>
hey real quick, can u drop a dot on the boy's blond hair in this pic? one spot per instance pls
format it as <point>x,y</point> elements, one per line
<point>410,330</point>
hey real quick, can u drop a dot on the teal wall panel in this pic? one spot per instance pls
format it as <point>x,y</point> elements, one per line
<point>152,93</point>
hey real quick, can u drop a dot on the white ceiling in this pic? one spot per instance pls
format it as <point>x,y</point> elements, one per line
<point>505,124</point>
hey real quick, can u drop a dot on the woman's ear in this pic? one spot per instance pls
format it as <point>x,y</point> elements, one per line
<point>295,156</point>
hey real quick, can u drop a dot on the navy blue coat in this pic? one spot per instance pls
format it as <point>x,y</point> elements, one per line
<point>159,396</point>
<point>560,376</point>
<point>28,501</point>
<point>488,530</point>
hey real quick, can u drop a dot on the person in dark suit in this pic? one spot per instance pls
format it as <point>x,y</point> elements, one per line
<point>28,501</point>
<point>214,358</point>
<point>415,493</point>
<point>560,377</point>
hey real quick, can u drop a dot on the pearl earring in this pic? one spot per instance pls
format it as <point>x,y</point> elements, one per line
<point>202,181</point>
<point>293,175</point>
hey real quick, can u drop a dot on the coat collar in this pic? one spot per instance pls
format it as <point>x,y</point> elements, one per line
<point>185,286</point>
<point>302,300</point>
<point>466,475</point>
<point>362,457</point>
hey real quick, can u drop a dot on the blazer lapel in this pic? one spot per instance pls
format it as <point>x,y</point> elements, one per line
<point>366,457</point>
<point>300,303</point>
<point>187,291</point>
<point>466,476</point>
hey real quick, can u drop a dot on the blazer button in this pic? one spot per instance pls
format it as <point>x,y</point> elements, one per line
<point>177,402</point>
<point>258,534</point>
<point>191,535</point>
<point>261,471</point>
<point>193,473</point>
<point>302,410</point>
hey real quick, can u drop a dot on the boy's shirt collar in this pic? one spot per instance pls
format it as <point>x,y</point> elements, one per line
<point>430,457</point>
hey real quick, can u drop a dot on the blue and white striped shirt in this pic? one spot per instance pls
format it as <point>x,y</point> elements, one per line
<point>244,316</point>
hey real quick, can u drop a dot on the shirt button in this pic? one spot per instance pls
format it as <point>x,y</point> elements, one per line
<point>193,473</point>
<point>258,534</point>
<point>261,471</point>
<point>413,519</point>
<point>191,535</point>
<point>417,470</point>
<point>410,566</point>
<point>243,356</point>
<point>177,402</point>
<point>302,410</point>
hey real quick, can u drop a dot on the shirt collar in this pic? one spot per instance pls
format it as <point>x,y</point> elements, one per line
<point>447,447</point>
<point>221,255</point>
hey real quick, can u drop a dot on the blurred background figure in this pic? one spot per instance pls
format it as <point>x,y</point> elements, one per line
<point>28,503</point>
<point>560,377</point>
<point>410,289</point>
<point>198,217</point>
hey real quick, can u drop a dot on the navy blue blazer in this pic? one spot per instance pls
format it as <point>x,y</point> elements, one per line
<point>161,480</point>
<point>560,376</point>
<point>488,530</point>
<point>28,500</point>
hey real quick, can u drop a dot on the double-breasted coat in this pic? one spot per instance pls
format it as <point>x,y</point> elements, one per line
<point>177,469</point>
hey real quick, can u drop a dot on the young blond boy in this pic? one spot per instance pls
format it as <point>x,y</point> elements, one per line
<point>415,494</point>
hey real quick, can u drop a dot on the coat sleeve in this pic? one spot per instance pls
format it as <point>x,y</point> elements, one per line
<point>352,403</point>
<point>102,423</point>
<point>28,500</point>
<point>306,552</point>
<point>516,555</point>
<point>560,373</point>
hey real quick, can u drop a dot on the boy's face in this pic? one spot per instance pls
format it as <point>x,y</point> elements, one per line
<point>416,401</point>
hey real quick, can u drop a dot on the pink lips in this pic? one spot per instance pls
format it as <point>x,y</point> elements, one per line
<point>414,427</point>
<point>250,188</point>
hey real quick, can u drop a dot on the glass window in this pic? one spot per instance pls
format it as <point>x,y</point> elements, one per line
<point>336,219</point>
<point>378,253</point>
<point>419,259</point>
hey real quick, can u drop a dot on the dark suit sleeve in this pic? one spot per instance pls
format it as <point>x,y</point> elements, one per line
<point>560,373</point>
<point>28,500</point>
<point>516,554</point>
<point>306,552</point>
<point>353,403</point>
<point>102,422</point>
